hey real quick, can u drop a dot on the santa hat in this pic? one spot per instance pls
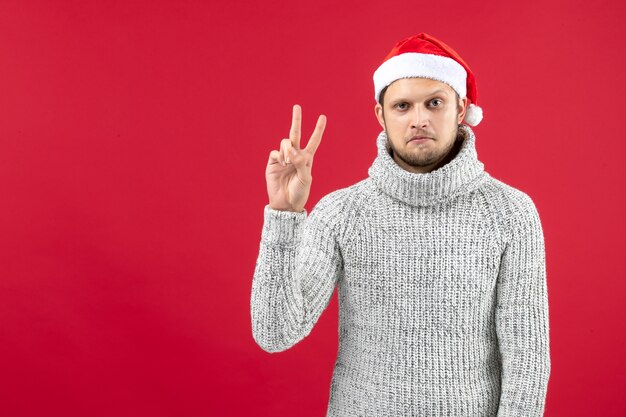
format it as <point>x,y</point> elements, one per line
<point>425,56</point>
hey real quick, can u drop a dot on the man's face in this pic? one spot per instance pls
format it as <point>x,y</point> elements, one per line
<point>421,107</point>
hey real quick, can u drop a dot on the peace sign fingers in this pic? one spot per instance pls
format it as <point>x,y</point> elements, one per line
<point>288,171</point>
<point>316,137</point>
<point>296,131</point>
<point>296,123</point>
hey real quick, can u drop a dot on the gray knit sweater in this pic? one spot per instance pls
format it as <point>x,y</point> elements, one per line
<point>443,303</point>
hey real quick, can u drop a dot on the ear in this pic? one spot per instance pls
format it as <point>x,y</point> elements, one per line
<point>378,109</point>
<point>462,107</point>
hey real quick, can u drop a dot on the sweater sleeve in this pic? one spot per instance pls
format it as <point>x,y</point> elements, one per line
<point>297,268</point>
<point>522,318</point>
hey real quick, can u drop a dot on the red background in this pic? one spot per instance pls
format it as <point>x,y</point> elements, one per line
<point>133,142</point>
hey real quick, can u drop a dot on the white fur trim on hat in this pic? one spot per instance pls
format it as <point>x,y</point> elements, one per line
<point>414,64</point>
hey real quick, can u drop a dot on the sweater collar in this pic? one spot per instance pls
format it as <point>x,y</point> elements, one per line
<point>462,174</point>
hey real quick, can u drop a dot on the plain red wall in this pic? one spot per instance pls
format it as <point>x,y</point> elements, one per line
<point>133,142</point>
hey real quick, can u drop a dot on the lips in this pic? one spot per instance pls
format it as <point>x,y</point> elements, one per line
<point>419,139</point>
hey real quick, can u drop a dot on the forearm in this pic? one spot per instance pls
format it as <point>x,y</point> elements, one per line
<point>525,351</point>
<point>522,318</point>
<point>294,278</point>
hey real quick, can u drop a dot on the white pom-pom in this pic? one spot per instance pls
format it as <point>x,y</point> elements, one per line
<point>473,115</point>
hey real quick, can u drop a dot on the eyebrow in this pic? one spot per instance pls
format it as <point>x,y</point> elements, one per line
<point>439,90</point>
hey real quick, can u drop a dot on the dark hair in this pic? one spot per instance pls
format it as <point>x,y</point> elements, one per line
<point>382,96</point>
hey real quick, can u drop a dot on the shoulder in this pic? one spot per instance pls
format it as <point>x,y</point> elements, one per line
<point>506,200</point>
<point>342,206</point>
<point>515,209</point>
<point>342,198</point>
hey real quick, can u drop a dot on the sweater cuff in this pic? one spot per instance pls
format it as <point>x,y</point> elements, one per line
<point>282,227</point>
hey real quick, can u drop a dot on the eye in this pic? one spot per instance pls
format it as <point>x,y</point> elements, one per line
<point>436,100</point>
<point>401,106</point>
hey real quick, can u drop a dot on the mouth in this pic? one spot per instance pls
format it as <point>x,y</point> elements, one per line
<point>419,139</point>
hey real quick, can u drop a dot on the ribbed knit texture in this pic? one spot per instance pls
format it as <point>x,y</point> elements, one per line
<point>443,303</point>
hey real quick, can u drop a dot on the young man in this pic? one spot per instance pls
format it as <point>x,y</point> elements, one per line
<point>440,268</point>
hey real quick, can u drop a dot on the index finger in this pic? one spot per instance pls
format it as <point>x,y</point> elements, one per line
<point>296,121</point>
<point>316,137</point>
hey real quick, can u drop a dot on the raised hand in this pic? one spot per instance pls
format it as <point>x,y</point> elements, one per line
<point>288,172</point>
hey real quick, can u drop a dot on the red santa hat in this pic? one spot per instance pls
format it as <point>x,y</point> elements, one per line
<point>424,56</point>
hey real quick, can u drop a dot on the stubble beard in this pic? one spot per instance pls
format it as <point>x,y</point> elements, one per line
<point>425,158</point>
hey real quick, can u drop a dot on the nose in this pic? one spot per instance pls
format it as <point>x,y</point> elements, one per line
<point>420,118</point>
